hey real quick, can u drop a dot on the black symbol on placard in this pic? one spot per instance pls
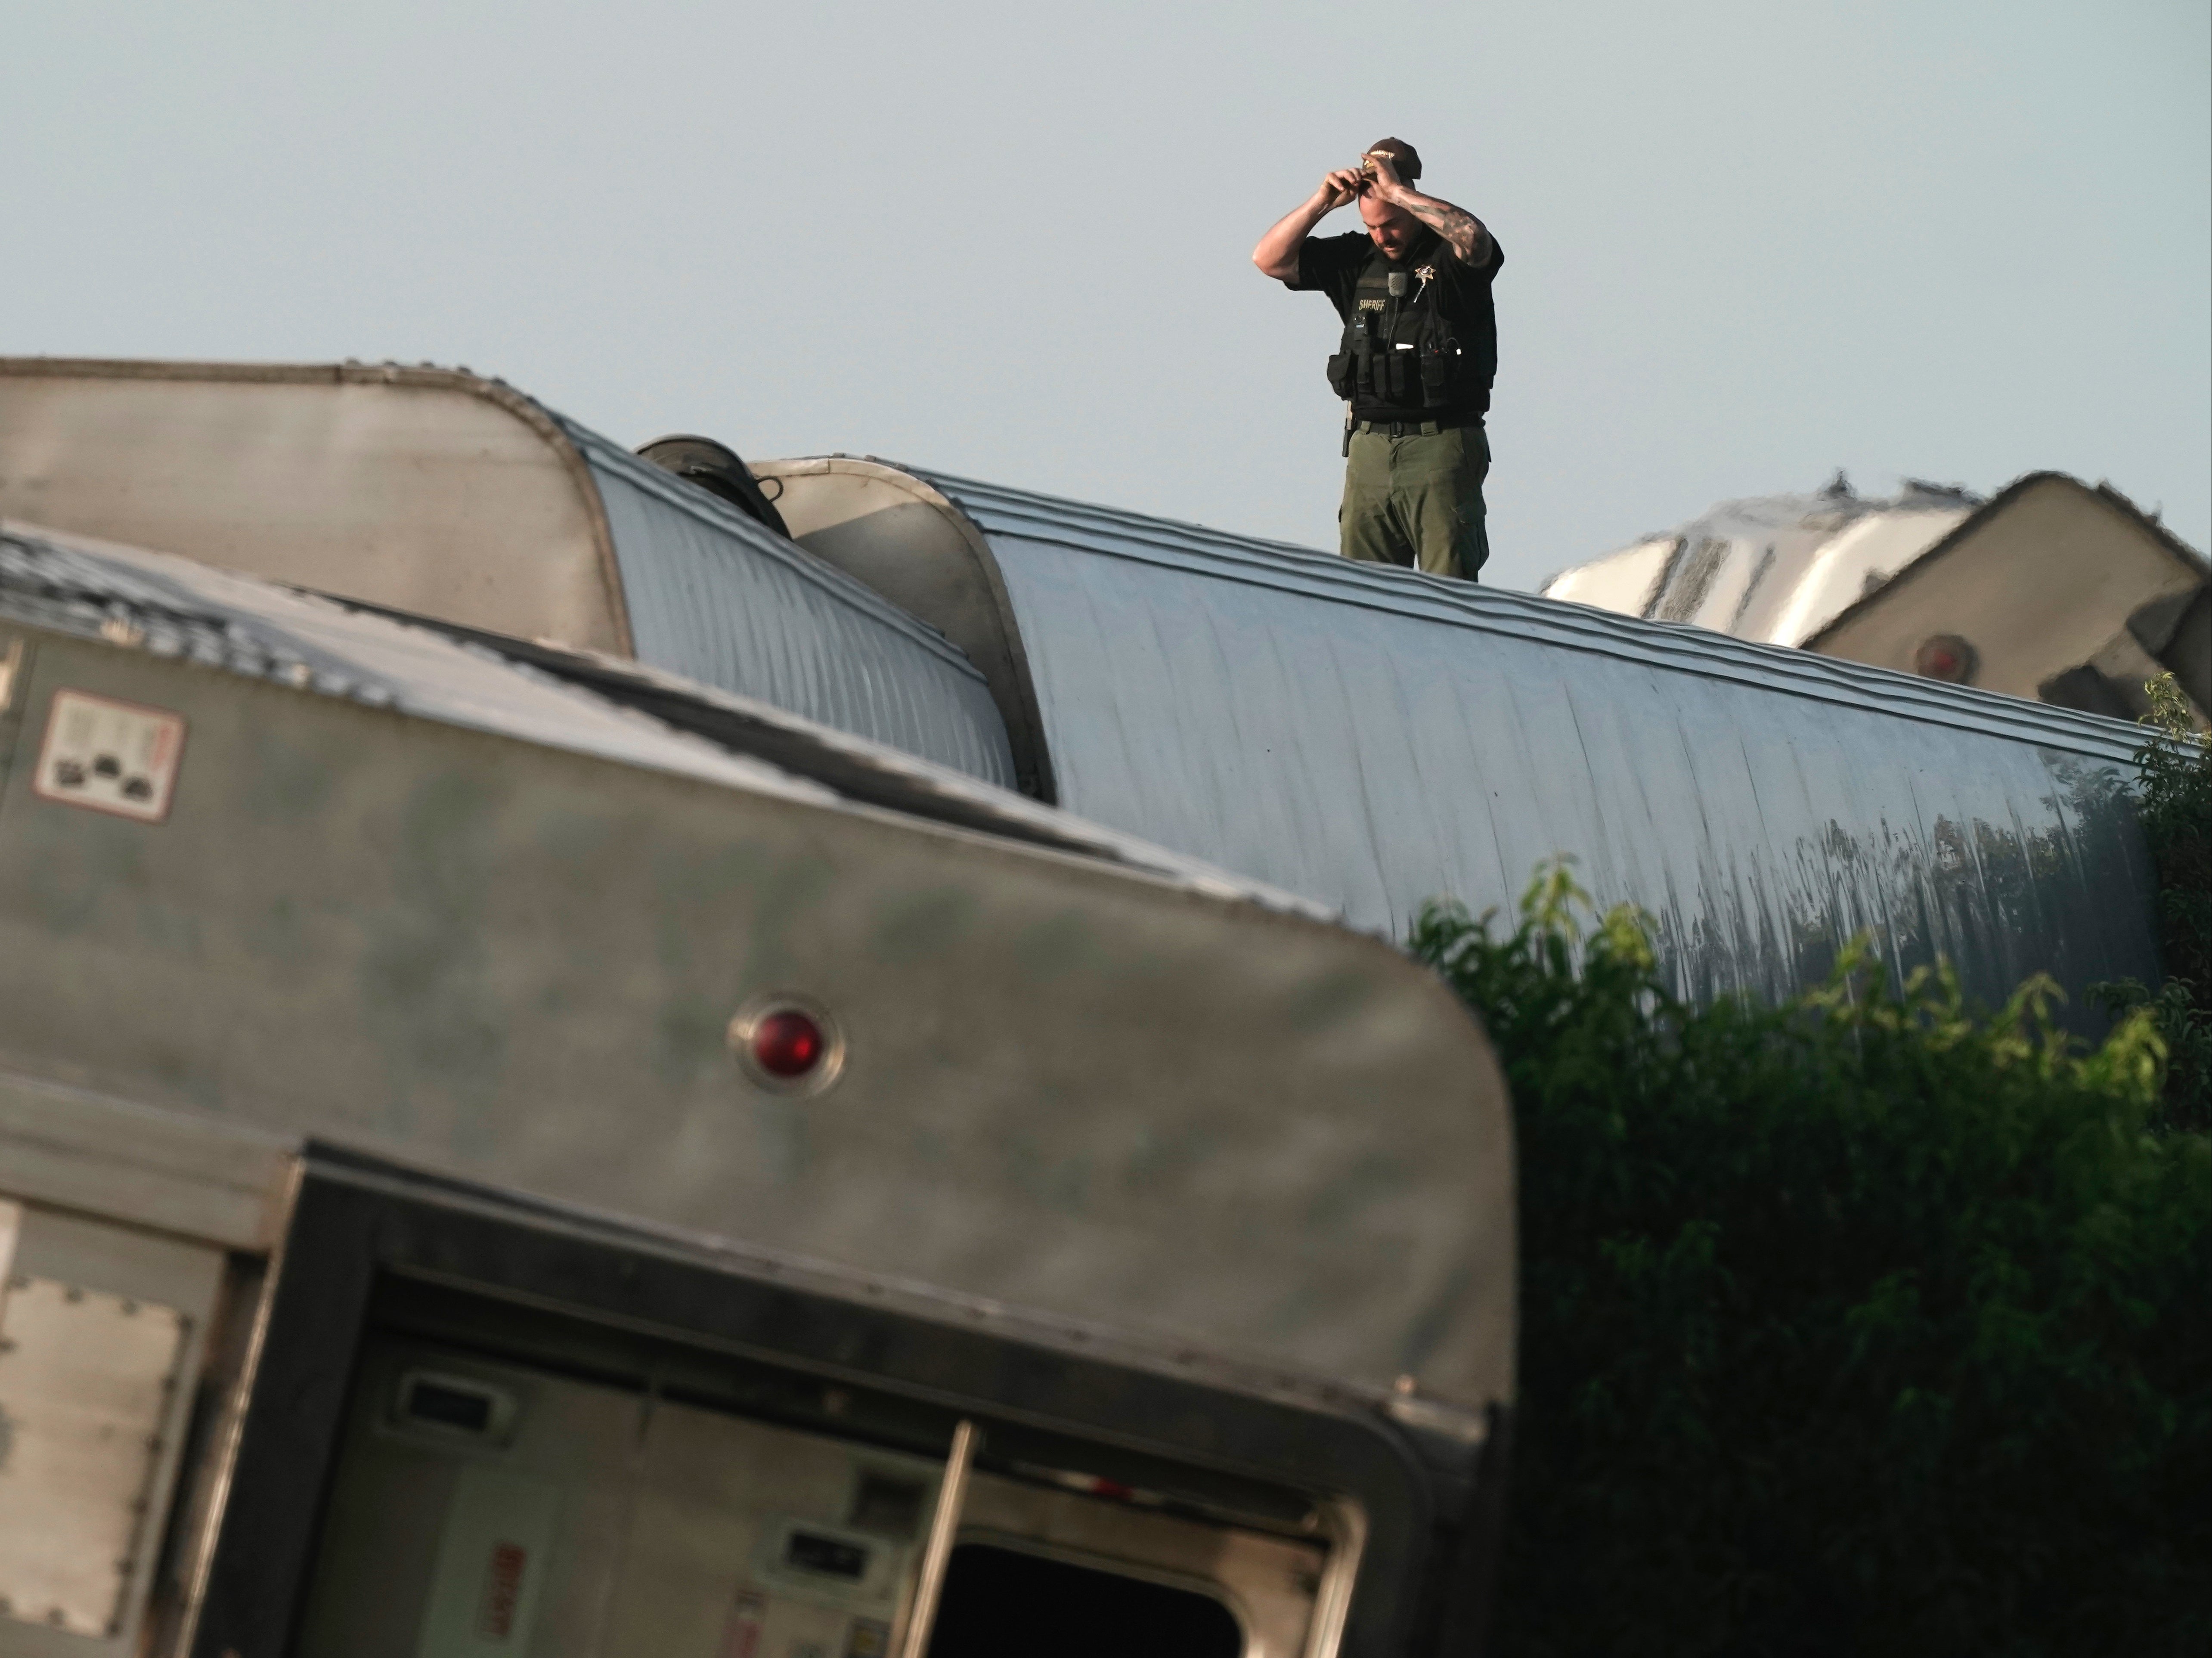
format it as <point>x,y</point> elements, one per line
<point>68,773</point>
<point>107,766</point>
<point>137,788</point>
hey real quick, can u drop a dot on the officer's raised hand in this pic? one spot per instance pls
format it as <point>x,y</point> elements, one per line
<point>1339,186</point>
<point>1278,251</point>
<point>1380,171</point>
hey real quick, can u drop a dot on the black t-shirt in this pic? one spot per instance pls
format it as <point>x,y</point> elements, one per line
<point>1331,266</point>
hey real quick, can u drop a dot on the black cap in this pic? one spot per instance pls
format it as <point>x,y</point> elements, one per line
<point>1403,156</point>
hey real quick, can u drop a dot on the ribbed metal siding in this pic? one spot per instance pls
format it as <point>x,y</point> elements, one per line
<point>1374,738</point>
<point>715,598</point>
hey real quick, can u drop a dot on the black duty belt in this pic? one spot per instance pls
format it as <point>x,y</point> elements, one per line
<point>1415,428</point>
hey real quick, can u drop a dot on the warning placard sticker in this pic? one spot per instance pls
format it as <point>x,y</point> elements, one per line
<point>110,756</point>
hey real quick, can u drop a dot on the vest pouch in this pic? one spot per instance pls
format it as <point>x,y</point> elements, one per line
<point>1397,359</point>
<point>1359,357</point>
<point>1439,356</point>
<point>1435,375</point>
<point>1341,373</point>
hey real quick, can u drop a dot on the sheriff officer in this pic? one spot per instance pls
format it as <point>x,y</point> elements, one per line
<point>1419,353</point>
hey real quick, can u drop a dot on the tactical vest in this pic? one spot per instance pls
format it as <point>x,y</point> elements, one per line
<point>1399,348</point>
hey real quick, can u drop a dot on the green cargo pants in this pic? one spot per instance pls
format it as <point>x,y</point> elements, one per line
<point>1418,501</point>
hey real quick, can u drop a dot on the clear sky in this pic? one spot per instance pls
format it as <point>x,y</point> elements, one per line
<point>1746,243</point>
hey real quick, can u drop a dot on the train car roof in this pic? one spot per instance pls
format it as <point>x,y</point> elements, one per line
<point>450,495</point>
<point>1377,739</point>
<point>537,691</point>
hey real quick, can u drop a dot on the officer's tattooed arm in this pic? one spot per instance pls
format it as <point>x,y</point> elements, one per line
<point>1465,233</point>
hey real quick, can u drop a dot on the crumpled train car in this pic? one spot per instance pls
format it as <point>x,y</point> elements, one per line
<point>1370,738</point>
<point>506,1151</point>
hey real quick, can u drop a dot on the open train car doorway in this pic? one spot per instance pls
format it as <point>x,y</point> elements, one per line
<point>547,1439</point>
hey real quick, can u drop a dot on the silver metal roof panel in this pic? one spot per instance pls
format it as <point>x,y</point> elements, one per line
<point>1285,567</point>
<point>1374,739</point>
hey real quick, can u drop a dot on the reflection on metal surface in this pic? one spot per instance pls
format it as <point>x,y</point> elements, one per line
<point>937,1552</point>
<point>1435,1416</point>
<point>1376,738</point>
<point>85,1381</point>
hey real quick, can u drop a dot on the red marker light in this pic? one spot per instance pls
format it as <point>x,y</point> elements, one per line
<point>788,1044</point>
<point>1946,656</point>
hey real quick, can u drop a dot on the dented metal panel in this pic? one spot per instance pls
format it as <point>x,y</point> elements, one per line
<point>1374,739</point>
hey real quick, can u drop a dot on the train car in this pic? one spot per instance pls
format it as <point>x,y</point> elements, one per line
<point>441,494</point>
<point>1377,739</point>
<point>1371,738</point>
<point>509,1150</point>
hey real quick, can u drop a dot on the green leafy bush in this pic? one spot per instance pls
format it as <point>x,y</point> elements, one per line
<point>1860,1325</point>
<point>2175,797</point>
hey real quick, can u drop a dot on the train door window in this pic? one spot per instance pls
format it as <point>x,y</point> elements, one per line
<point>1006,1603</point>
